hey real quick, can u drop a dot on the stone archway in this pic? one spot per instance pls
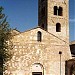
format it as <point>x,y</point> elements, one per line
<point>37,69</point>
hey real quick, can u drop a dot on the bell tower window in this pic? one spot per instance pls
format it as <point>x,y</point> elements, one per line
<point>39,36</point>
<point>60,11</point>
<point>55,10</point>
<point>58,27</point>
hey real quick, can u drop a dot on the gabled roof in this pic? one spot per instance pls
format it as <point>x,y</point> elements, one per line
<point>18,33</point>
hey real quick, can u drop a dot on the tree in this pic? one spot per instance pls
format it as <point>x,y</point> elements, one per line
<point>5,37</point>
<point>73,69</point>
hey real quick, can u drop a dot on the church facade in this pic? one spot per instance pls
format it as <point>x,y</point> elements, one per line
<point>45,49</point>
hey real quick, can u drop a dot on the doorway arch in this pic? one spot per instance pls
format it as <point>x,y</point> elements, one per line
<point>37,69</point>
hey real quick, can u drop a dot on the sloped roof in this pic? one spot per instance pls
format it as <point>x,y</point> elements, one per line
<point>15,32</point>
<point>30,30</point>
<point>72,42</point>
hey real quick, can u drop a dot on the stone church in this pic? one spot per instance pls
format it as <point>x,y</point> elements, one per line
<point>45,49</point>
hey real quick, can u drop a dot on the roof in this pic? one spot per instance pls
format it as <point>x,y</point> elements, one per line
<point>72,42</point>
<point>15,32</point>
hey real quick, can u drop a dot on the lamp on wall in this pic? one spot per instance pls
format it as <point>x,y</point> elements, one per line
<point>60,53</point>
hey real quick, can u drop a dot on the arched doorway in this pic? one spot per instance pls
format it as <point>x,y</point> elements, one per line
<point>37,69</point>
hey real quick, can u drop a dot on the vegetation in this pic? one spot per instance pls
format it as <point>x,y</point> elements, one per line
<point>5,35</point>
<point>73,69</point>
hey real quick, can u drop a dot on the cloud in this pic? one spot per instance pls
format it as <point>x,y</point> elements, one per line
<point>72,20</point>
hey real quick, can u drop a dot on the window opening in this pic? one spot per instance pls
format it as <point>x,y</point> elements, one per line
<point>58,27</point>
<point>39,36</point>
<point>60,11</point>
<point>55,10</point>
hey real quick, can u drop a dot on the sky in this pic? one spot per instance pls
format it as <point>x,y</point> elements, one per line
<point>23,14</point>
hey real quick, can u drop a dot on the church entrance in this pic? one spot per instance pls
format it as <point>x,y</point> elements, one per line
<point>37,69</point>
<point>36,73</point>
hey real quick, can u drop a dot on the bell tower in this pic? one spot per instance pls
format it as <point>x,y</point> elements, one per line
<point>53,17</point>
<point>42,14</point>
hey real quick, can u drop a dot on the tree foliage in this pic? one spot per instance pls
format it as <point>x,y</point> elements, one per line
<point>5,35</point>
<point>73,69</point>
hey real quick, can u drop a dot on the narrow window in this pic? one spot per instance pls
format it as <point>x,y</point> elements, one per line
<point>58,27</point>
<point>55,10</point>
<point>60,11</point>
<point>39,36</point>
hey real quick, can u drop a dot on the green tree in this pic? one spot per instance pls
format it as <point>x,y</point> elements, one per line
<point>5,35</point>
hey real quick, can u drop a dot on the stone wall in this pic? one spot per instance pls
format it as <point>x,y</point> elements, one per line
<point>28,51</point>
<point>63,20</point>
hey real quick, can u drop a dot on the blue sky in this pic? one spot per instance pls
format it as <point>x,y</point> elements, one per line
<point>23,14</point>
<point>72,19</point>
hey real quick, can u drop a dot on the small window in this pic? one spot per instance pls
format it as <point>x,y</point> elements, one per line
<point>39,36</point>
<point>55,10</point>
<point>60,11</point>
<point>58,27</point>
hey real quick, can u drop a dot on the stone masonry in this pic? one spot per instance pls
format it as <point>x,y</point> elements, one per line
<point>45,57</point>
<point>28,51</point>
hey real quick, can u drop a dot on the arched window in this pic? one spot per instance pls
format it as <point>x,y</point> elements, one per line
<point>55,10</point>
<point>39,36</point>
<point>60,11</point>
<point>58,27</point>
